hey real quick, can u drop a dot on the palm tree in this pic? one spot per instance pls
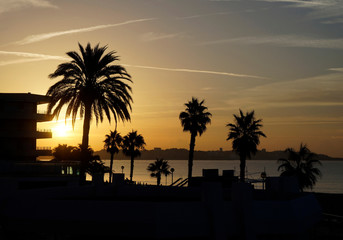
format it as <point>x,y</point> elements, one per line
<point>246,134</point>
<point>194,119</point>
<point>132,144</point>
<point>63,152</point>
<point>92,87</point>
<point>159,167</point>
<point>113,142</point>
<point>301,165</point>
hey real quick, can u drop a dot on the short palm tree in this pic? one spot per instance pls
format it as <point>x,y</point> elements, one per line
<point>113,142</point>
<point>91,86</point>
<point>194,120</point>
<point>133,143</point>
<point>159,167</point>
<point>301,164</point>
<point>245,133</point>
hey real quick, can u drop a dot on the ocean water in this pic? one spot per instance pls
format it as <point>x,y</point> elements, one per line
<point>330,182</point>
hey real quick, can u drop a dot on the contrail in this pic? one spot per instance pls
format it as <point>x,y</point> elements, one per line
<point>45,36</point>
<point>28,57</point>
<point>39,57</point>
<point>195,71</point>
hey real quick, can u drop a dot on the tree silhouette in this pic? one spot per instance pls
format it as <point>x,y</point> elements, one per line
<point>194,120</point>
<point>301,164</point>
<point>246,134</point>
<point>157,168</point>
<point>63,152</point>
<point>132,144</point>
<point>92,87</point>
<point>113,142</point>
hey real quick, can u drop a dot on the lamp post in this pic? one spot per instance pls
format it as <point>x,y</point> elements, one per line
<point>263,176</point>
<point>172,172</point>
<point>122,169</point>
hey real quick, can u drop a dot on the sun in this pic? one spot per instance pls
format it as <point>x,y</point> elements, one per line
<point>61,130</point>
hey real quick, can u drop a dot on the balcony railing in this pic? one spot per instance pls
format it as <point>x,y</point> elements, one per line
<point>44,133</point>
<point>43,148</point>
<point>42,116</point>
<point>43,151</point>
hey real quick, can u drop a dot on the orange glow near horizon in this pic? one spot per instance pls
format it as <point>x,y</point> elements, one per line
<point>61,130</point>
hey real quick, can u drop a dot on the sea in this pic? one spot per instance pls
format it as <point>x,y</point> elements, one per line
<point>331,180</point>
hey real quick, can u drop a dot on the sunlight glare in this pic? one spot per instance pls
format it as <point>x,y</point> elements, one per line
<point>61,130</point>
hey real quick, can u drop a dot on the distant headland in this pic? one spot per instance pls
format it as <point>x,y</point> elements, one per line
<point>182,154</point>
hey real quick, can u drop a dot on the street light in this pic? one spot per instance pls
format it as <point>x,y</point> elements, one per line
<point>263,176</point>
<point>122,169</point>
<point>172,172</point>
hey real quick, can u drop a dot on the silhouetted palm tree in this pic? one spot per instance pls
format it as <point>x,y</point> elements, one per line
<point>91,86</point>
<point>159,167</point>
<point>194,119</point>
<point>246,134</point>
<point>63,152</point>
<point>132,144</point>
<point>301,164</point>
<point>113,142</point>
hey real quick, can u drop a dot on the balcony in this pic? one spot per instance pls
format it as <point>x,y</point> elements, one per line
<point>43,116</point>
<point>43,133</point>
<point>43,151</point>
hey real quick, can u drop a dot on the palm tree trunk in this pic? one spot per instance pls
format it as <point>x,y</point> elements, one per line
<point>84,145</point>
<point>191,155</point>
<point>242,158</point>
<point>86,126</point>
<point>158,179</point>
<point>131,169</point>
<point>111,167</point>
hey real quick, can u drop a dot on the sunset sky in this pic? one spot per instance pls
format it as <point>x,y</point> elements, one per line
<point>283,59</point>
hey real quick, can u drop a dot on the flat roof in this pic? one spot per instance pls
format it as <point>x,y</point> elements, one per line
<point>24,97</point>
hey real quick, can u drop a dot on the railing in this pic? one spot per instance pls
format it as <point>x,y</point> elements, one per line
<point>43,148</point>
<point>42,111</point>
<point>44,130</point>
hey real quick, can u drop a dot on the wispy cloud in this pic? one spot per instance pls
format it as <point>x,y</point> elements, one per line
<point>152,36</point>
<point>283,41</point>
<point>31,57</point>
<point>302,3</point>
<point>196,71</point>
<point>204,15</point>
<point>8,5</point>
<point>336,69</point>
<point>319,91</point>
<point>45,36</point>
<point>328,10</point>
<point>27,57</point>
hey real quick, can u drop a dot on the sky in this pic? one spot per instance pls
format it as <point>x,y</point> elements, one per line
<point>281,58</point>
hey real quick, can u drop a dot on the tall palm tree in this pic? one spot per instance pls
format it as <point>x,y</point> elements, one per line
<point>246,133</point>
<point>133,143</point>
<point>113,142</point>
<point>92,87</point>
<point>157,168</point>
<point>301,164</point>
<point>194,120</point>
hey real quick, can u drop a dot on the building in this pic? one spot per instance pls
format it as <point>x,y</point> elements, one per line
<point>18,127</point>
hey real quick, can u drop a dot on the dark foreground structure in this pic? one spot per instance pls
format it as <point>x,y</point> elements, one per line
<point>209,208</point>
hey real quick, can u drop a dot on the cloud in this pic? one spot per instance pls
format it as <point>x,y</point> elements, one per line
<point>336,69</point>
<point>45,36</point>
<point>9,5</point>
<point>196,71</point>
<point>39,57</point>
<point>283,41</point>
<point>204,15</point>
<point>320,91</point>
<point>321,9</point>
<point>28,57</point>
<point>151,36</point>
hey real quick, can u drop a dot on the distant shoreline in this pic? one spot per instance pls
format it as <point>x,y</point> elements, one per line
<point>182,154</point>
